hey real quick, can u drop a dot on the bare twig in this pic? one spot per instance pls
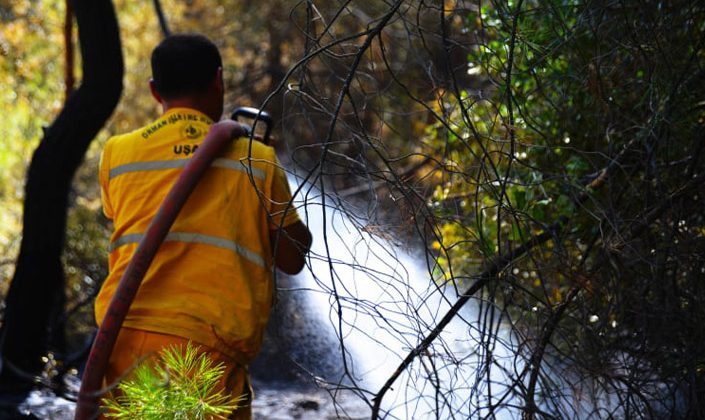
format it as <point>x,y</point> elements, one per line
<point>163,23</point>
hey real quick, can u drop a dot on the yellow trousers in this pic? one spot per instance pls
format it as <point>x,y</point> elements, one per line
<point>133,345</point>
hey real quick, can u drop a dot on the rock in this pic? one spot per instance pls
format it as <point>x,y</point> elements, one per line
<point>308,405</point>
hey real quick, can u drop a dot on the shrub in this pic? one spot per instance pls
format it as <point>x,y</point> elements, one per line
<point>180,385</point>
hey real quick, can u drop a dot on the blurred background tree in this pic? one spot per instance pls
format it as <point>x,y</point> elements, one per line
<point>34,322</point>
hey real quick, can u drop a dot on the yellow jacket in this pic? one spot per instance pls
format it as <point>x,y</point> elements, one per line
<point>211,280</point>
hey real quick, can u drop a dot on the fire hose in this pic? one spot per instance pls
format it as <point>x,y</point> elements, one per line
<point>213,145</point>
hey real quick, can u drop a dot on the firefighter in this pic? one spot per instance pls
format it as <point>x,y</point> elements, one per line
<point>211,282</point>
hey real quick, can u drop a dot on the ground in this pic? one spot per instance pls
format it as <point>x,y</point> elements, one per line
<point>269,404</point>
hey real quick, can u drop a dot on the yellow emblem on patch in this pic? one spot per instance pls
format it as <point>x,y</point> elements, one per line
<point>192,131</point>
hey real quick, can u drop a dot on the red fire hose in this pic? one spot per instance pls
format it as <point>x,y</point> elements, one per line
<point>212,146</point>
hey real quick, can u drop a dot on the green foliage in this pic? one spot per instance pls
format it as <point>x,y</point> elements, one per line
<point>567,89</point>
<point>569,85</point>
<point>183,384</point>
<point>31,90</point>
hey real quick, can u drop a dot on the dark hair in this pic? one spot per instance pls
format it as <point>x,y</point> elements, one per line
<point>184,64</point>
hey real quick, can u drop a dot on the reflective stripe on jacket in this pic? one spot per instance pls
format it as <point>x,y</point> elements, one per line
<point>211,280</point>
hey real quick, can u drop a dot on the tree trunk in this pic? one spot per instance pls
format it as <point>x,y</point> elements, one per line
<point>36,294</point>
